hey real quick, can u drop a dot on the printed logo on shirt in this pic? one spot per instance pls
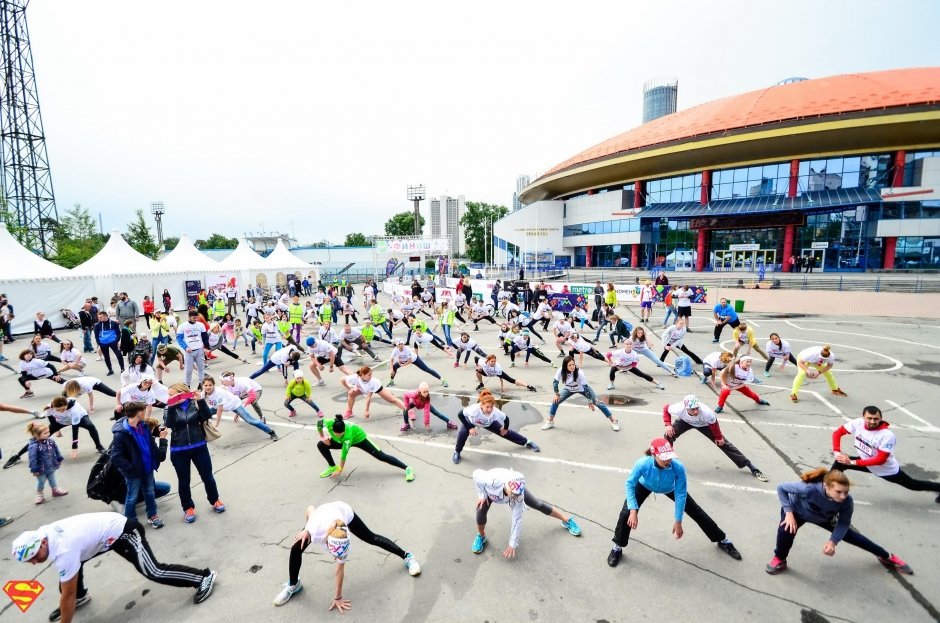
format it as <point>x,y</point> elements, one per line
<point>23,593</point>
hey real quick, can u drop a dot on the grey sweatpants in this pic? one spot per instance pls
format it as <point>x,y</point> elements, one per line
<point>197,357</point>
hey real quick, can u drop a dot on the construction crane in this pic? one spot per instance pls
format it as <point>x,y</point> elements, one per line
<point>28,198</point>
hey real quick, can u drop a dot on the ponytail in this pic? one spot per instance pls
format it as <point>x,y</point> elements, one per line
<point>826,476</point>
<point>486,397</point>
<point>363,371</point>
<point>338,425</point>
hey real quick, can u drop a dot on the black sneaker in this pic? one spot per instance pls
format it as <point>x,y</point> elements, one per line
<point>13,460</point>
<point>614,557</point>
<point>479,387</point>
<point>205,588</point>
<point>56,614</point>
<point>729,548</point>
<point>274,436</point>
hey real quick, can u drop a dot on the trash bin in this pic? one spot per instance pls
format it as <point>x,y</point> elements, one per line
<point>739,307</point>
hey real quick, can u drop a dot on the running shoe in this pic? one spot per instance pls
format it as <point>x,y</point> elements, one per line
<point>451,425</point>
<point>56,614</point>
<point>390,383</point>
<point>776,565</point>
<point>610,386</point>
<point>328,471</point>
<point>704,380</point>
<point>155,522</point>
<point>189,515</point>
<point>838,392</point>
<point>794,398</point>
<point>532,446</point>
<point>291,413</point>
<point>404,427</point>
<point>205,588</point>
<point>274,436</point>
<point>896,564</point>
<point>58,492</point>
<point>444,382</point>
<point>614,424</point>
<point>512,365</point>
<point>287,592</point>
<point>767,374</point>
<point>728,547</point>
<point>756,473</point>
<point>412,565</point>
<point>39,499</point>
<point>346,414</point>
<point>13,460</point>
<point>715,341</point>
<point>548,425</point>
<point>763,402</point>
<point>614,557</point>
<point>758,382</point>
<point>719,409</point>
<point>660,386</point>
<point>409,476</point>
<point>218,507</point>
<point>5,521</point>
<point>320,413</point>
<point>479,387</point>
<point>456,364</point>
<point>531,388</point>
<point>479,542</point>
<point>456,458</point>
<point>320,383</point>
<point>572,527</point>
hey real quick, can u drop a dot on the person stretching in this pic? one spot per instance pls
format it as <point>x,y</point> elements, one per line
<point>822,498</point>
<point>574,382</point>
<point>329,525</point>
<point>363,382</point>
<point>819,359</point>
<point>421,399</point>
<point>625,360</point>
<point>875,445</point>
<point>778,349</point>
<point>490,368</point>
<point>505,486</point>
<point>335,434</point>
<point>485,414</point>
<point>689,414</point>
<point>736,376</point>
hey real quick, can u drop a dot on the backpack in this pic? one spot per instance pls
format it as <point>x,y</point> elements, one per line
<point>683,366</point>
<point>105,481</point>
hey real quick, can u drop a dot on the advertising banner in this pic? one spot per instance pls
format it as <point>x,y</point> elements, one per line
<point>409,246</point>
<point>192,292</point>
<point>566,302</point>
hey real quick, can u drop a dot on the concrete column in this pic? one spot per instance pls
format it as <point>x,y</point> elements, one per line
<point>789,233</point>
<point>890,245</point>
<point>702,249</point>
<point>793,187</point>
<point>706,187</point>
<point>634,254</point>
<point>587,257</point>
<point>898,178</point>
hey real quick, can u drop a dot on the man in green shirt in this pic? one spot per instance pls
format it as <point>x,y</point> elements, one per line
<point>337,434</point>
<point>295,313</point>
<point>378,318</point>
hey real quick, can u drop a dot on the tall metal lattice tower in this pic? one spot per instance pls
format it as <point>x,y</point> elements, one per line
<point>26,178</point>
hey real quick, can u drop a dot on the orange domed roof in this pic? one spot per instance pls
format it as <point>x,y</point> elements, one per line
<point>795,101</point>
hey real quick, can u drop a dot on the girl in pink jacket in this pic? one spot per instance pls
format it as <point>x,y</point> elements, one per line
<point>421,399</point>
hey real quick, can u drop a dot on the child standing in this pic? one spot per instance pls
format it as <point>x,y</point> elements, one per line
<point>44,460</point>
<point>300,389</point>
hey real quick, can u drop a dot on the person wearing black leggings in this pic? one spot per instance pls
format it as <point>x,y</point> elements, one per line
<point>403,356</point>
<point>522,343</point>
<point>33,369</point>
<point>876,442</point>
<point>778,349</point>
<point>489,367</point>
<point>672,341</point>
<point>625,360</point>
<point>486,415</point>
<point>329,525</point>
<point>341,436</point>
<point>465,346</point>
<point>61,413</point>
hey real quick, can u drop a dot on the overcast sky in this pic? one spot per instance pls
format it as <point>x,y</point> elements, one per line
<point>312,118</point>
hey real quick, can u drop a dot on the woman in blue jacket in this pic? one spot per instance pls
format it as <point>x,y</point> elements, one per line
<point>822,498</point>
<point>660,472</point>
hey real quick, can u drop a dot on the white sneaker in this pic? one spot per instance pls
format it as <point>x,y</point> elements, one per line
<point>611,386</point>
<point>287,592</point>
<point>320,383</point>
<point>548,425</point>
<point>615,425</point>
<point>412,565</point>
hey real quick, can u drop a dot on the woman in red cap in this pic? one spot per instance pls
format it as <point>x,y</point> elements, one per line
<point>660,472</point>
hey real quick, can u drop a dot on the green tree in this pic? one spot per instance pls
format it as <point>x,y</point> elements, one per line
<point>76,237</point>
<point>170,243</point>
<point>141,238</point>
<point>9,218</point>
<point>477,232</point>
<point>356,240</point>
<point>402,224</point>
<point>217,241</point>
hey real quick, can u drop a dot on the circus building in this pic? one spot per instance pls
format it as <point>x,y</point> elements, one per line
<point>844,170</point>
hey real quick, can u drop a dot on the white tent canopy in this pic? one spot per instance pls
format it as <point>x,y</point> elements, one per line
<point>21,263</point>
<point>117,257</point>
<point>242,258</point>
<point>186,258</point>
<point>281,258</point>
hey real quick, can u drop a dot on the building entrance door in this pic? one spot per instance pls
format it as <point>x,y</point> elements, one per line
<point>818,259</point>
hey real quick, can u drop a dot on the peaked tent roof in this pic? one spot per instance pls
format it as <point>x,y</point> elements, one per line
<point>185,257</point>
<point>242,258</point>
<point>21,263</point>
<point>281,257</point>
<point>117,257</point>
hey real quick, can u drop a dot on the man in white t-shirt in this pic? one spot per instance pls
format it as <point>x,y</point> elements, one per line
<point>196,339</point>
<point>71,542</point>
<point>875,446</point>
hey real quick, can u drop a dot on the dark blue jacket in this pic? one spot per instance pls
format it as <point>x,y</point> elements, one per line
<point>44,456</point>
<point>126,455</point>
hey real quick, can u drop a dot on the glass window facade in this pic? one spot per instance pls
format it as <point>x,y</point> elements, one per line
<point>909,164</point>
<point>916,252</point>
<point>675,189</point>
<point>845,172</point>
<point>768,179</point>
<point>603,227</point>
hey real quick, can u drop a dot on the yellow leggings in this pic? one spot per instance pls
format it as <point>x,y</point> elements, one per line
<point>801,376</point>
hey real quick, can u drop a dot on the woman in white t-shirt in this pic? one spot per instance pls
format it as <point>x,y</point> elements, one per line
<point>625,360</point>
<point>70,357</point>
<point>221,400</point>
<point>778,348</point>
<point>490,368</point>
<point>683,297</point>
<point>364,383</point>
<point>820,358</point>
<point>403,356</point>
<point>737,376</point>
<point>329,525</point>
<point>87,385</point>
<point>568,381</point>
<point>643,344</point>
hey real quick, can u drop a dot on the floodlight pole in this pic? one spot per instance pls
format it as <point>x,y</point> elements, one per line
<point>416,194</point>
<point>158,210</point>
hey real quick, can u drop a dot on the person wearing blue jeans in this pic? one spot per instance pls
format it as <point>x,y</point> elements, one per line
<point>288,355</point>
<point>135,455</point>
<point>568,381</point>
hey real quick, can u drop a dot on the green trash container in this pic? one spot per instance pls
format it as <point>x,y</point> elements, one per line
<point>739,307</point>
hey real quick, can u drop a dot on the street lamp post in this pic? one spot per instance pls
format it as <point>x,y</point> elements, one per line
<point>416,194</point>
<point>158,210</point>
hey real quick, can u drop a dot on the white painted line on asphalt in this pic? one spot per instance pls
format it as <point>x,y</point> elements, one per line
<point>918,418</point>
<point>806,320</point>
<point>876,337</point>
<point>812,393</point>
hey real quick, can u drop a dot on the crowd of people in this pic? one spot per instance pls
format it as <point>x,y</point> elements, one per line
<point>410,340</point>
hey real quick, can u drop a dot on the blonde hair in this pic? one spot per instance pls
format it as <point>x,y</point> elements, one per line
<point>338,530</point>
<point>35,429</point>
<point>72,389</point>
<point>179,388</point>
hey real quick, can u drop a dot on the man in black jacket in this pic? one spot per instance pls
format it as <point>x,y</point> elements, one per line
<point>135,455</point>
<point>87,324</point>
<point>108,336</point>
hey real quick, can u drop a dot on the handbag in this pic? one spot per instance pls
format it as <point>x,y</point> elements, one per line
<point>212,433</point>
<point>107,336</point>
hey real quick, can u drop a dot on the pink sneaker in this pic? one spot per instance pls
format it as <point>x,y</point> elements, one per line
<point>405,427</point>
<point>320,414</point>
<point>58,492</point>
<point>291,414</point>
<point>347,415</point>
<point>456,364</point>
<point>451,425</point>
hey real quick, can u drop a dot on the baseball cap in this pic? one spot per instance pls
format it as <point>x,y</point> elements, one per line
<point>339,547</point>
<point>662,449</point>
<point>26,545</point>
<point>691,401</point>
<point>399,341</point>
<point>516,487</point>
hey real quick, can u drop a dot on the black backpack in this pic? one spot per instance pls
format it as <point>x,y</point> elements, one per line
<point>105,481</point>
